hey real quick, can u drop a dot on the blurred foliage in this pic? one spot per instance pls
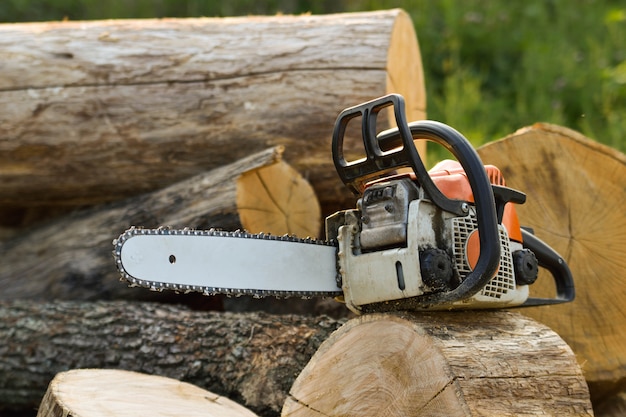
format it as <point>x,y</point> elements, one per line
<point>490,67</point>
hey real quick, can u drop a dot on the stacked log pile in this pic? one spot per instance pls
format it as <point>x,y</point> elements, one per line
<point>207,123</point>
<point>108,114</point>
<point>171,122</point>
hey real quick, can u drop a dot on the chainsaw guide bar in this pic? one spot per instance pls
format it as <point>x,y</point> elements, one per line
<point>267,260</point>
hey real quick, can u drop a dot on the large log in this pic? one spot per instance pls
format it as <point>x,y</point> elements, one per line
<point>95,111</point>
<point>442,364</point>
<point>117,393</point>
<point>576,199</point>
<point>494,360</point>
<point>252,358</point>
<point>70,258</point>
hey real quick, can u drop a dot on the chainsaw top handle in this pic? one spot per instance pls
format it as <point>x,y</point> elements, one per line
<point>394,149</point>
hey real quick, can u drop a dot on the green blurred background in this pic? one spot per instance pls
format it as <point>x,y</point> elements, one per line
<point>491,67</point>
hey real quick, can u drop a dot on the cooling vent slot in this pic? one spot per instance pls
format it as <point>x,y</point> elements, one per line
<point>504,280</point>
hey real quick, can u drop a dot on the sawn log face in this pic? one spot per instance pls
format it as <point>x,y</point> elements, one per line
<point>576,198</point>
<point>491,363</point>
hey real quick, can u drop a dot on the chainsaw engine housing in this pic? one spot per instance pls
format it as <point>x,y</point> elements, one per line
<point>387,261</point>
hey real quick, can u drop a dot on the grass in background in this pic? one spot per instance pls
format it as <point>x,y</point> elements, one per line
<point>493,67</point>
<point>490,67</point>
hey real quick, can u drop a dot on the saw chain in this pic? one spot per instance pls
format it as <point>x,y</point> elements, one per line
<point>206,290</point>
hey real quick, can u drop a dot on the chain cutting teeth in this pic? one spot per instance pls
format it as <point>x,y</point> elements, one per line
<point>237,292</point>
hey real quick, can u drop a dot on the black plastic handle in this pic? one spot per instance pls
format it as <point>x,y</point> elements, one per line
<point>553,262</point>
<point>356,174</point>
<point>395,148</point>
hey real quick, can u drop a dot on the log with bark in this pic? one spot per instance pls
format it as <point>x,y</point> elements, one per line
<point>117,393</point>
<point>441,364</point>
<point>402,363</point>
<point>576,196</point>
<point>70,258</point>
<point>252,358</point>
<point>95,111</point>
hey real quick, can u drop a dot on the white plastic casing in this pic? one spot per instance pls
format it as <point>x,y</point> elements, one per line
<point>393,274</point>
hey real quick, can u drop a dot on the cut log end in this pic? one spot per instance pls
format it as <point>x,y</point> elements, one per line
<point>116,393</point>
<point>277,199</point>
<point>441,364</point>
<point>71,258</point>
<point>405,73</point>
<point>575,202</point>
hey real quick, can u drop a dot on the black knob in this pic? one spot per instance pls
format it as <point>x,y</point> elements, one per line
<point>436,268</point>
<point>526,267</point>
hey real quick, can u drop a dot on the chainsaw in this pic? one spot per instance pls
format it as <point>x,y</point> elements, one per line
<point>443,239</point>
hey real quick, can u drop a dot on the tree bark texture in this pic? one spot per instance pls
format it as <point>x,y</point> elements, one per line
<point>576,196</point>
<point>70,258</point>
<point>99,110</point>
<point>484,361</point>
<point>441,364</point>
<point>117,393</point>
<point>252,358</point>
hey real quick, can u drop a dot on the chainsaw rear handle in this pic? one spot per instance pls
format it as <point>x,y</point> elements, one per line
<point>548,258</point>
<point>394,149</point>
